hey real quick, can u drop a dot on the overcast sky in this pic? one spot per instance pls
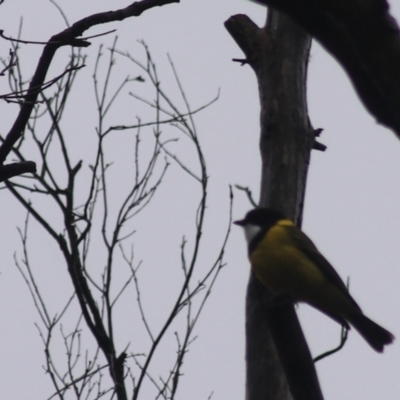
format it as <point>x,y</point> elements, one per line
<point>351,212</point>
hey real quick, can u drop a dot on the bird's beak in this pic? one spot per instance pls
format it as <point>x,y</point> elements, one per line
<point>241,222</point>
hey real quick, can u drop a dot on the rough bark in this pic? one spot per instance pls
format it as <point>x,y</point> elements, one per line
<point>279,364</point>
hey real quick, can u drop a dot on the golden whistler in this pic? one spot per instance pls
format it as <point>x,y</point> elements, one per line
<point>288,263</point>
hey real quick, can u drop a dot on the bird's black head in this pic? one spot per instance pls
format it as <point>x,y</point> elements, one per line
<point>262,217</point>
<point>256,223</point>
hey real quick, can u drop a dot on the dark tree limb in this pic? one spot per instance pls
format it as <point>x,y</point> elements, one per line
<point>15,169</point>
<point>68,37</point>
<point>279,363</point>
<point>70,240</point>
<point>364,38</point>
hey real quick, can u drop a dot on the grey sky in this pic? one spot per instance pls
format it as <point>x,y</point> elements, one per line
<point>352,204</point>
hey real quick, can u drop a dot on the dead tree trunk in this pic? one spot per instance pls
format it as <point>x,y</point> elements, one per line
<point>279,364</point>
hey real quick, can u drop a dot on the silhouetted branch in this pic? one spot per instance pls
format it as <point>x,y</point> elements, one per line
<point>10,170</point>
<point>68,37</point>
<point>109,217</point>
<point>365,39</point>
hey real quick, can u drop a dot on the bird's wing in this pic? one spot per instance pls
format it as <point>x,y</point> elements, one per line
<point>303,242</point>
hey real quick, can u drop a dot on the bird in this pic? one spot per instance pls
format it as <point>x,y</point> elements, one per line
<point>288,263</point>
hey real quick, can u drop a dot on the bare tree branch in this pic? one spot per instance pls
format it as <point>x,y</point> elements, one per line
<point>98,294</point>
<point>68,37</point>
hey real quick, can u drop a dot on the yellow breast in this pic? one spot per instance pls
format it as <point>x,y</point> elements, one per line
<point>283,268</point>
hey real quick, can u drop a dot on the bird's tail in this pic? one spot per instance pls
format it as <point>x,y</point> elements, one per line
<point>375,335</point>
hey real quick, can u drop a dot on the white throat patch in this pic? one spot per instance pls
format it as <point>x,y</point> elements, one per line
<point>250,231</point>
